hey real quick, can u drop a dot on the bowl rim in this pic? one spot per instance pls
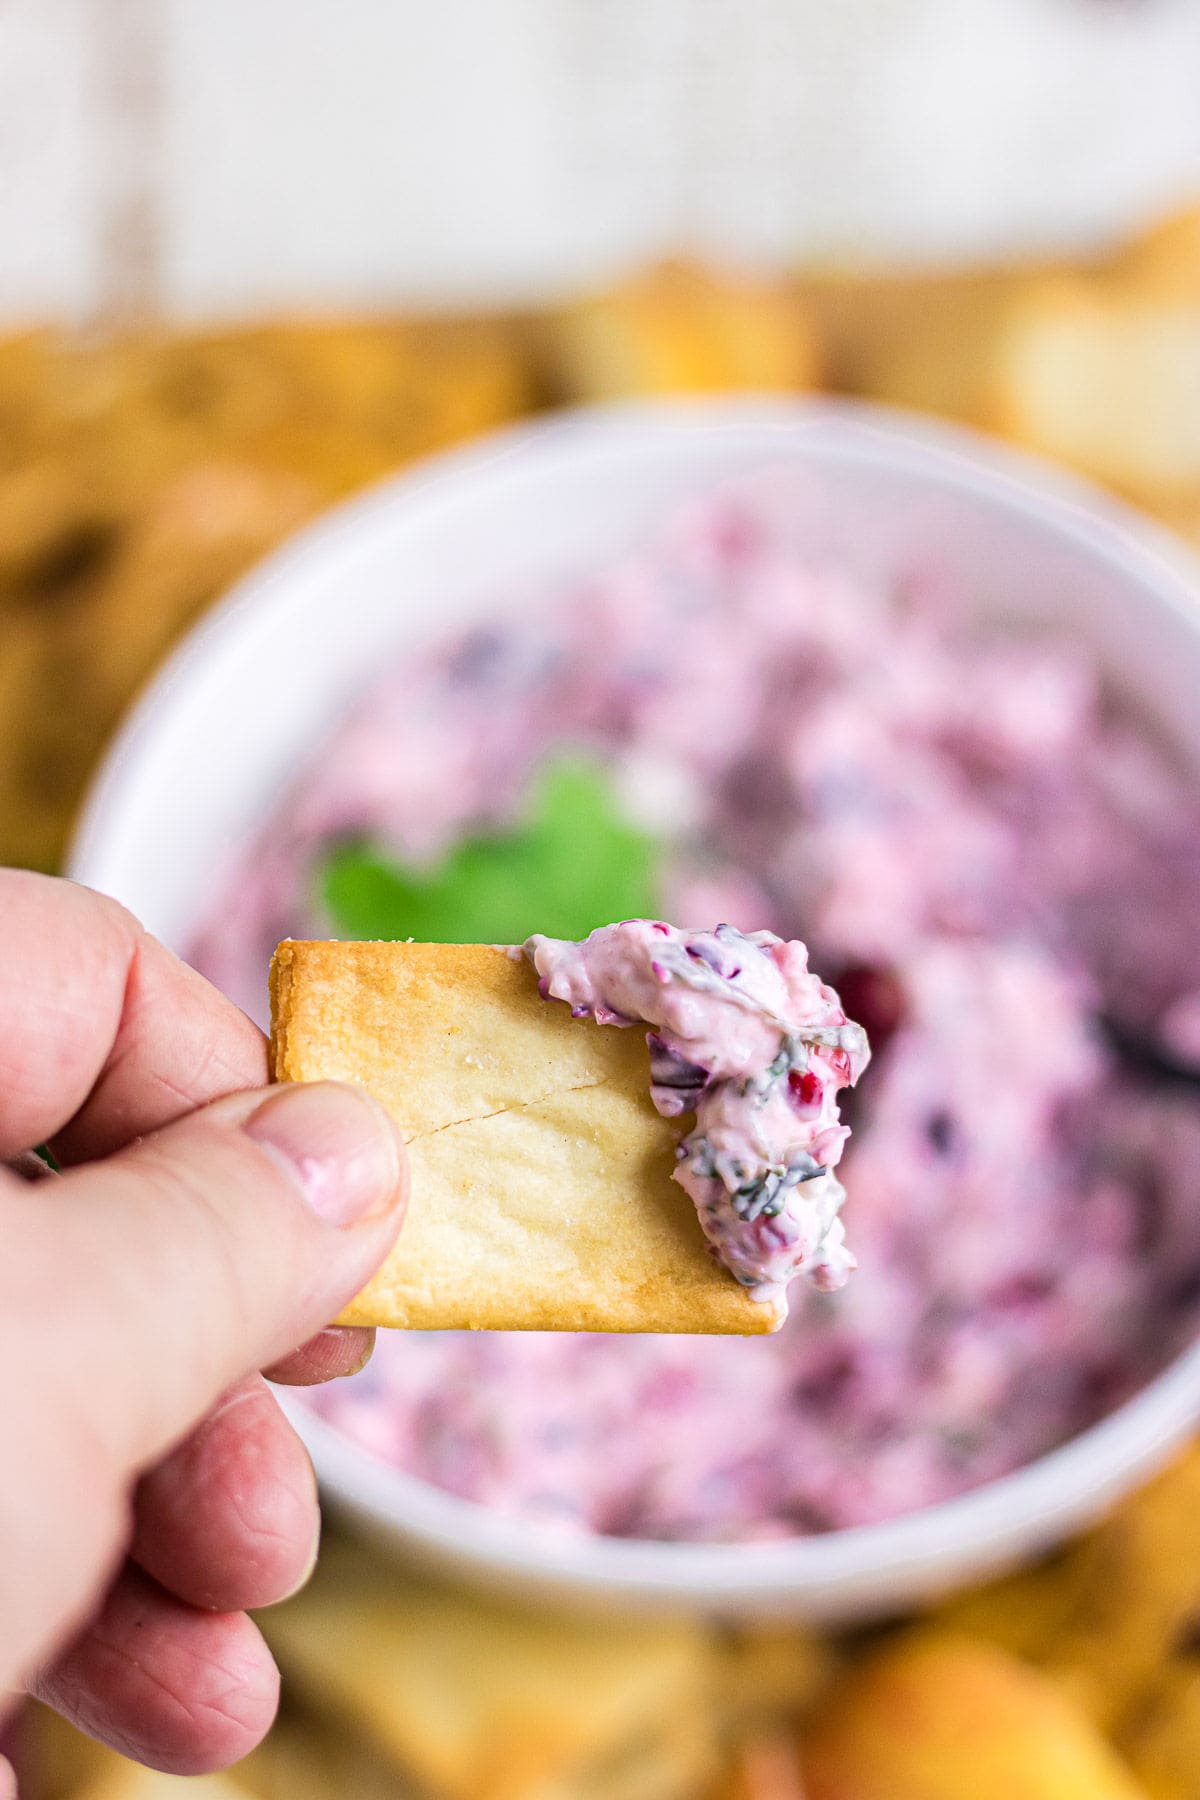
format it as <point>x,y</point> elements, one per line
<point>1038,1502</point>
<point>1034,1506</point>
<point>980,466</point>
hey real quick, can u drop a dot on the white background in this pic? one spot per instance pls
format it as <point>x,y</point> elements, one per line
<point>235,155</point>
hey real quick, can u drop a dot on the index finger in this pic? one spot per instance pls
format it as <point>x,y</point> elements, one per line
<point>107,1035</point>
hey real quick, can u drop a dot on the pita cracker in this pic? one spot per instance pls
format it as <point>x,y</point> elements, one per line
<point>541,1191</point>
<point>474,1697</point>
<point>129,1781</point>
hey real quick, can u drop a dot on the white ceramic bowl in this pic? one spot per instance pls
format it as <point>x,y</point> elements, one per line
<point>251,692</point>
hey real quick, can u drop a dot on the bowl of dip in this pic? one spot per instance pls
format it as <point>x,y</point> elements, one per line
<point>881,685</point>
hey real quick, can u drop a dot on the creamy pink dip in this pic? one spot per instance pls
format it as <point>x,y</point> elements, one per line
<point>985,852</point>
<point>753,1043</point>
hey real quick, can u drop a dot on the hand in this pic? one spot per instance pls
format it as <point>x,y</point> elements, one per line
<point>150,1488</point>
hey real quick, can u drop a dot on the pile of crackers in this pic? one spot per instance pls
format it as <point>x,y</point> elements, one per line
<point>1076,1680</point>
<point>138,477</point>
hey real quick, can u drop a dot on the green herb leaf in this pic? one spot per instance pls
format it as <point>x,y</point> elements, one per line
<point>573,863</point>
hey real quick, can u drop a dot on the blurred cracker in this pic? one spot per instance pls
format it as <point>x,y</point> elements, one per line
<point>773,1670</point>
<point>483,1699</point>
<point>1029,1612</point>
<point>1165,260</point>
<point>89,622</point>
<point>416,382</point>
<point>130,1781</point>
<point>1183,518</point>
<point>1162,1741</point>
<point>145,407</point>
<point>1105,378</point>
<point>1141,1573</point>
<point>479,372</point>
<point>362,397</point>
<point>204,528</point>
<point>99,409</point>
<point>292,393</point>
<point>53,528</point>
<point>935,1715</point>
<point>57,1761</point>
<point>1106,1614</point>
<point>541,1195</point>
<point>764,1765</point>
<point>773,1677</point>
<point>39,751</point>
<point>226,386</point>
<point>671,1758</point>
<point>926,340</point>
<point>62,1764</point>
<point>301,1759</point>
<point>154,468</point>
<point>680,329</point>
<point>25,361</point>
<point>307,1757</point>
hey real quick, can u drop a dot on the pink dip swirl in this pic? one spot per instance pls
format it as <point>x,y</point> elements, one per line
<point>750,1040</point>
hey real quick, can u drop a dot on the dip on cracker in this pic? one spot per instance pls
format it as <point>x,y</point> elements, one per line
<point>541,1172</point>
<point>749,1039</point>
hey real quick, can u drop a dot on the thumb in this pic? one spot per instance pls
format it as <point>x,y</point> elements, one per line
<point>135,1291</point>
<point>162,1275</point>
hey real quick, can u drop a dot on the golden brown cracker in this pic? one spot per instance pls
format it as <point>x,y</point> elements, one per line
<point>125,1780</point>
<point>541,1191</point>
<point>1165,259</point>
<point>1106,379</point>
<point>1162,1738</point>
<point>764,1765</point>
<point>681,329</point>
<point>923,340</point>
<point>935,1715</point>
<point>480,1698</point>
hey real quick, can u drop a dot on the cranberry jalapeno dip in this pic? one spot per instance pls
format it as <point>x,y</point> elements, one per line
<point>754,1044</point>
<point>987,857</point>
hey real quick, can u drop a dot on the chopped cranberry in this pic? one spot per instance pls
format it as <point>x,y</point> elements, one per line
<point>1021,1291</point>
<point>1185,1294</point>
<point>1104,1387</point>
<point>756,791</point>
<point>871,994</point>
<point>939,1129</point>
<point>804,1088</point>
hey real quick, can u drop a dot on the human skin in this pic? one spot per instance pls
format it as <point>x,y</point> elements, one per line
<point>202,1233</point>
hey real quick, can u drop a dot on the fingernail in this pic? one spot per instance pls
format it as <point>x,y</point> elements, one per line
<point>368,1351</point>
<point>336,1143</point>
<point>310,1566</point>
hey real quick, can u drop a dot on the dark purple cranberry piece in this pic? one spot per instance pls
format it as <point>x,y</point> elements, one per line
<point>478,656</point>
<point>872,995</point>
<point>939,1129</point>
<point>675,1083</point>
<point>703,953</point>
<point>1184,1295</point>
<point>1020,1292</point>
<point>756,791</point>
